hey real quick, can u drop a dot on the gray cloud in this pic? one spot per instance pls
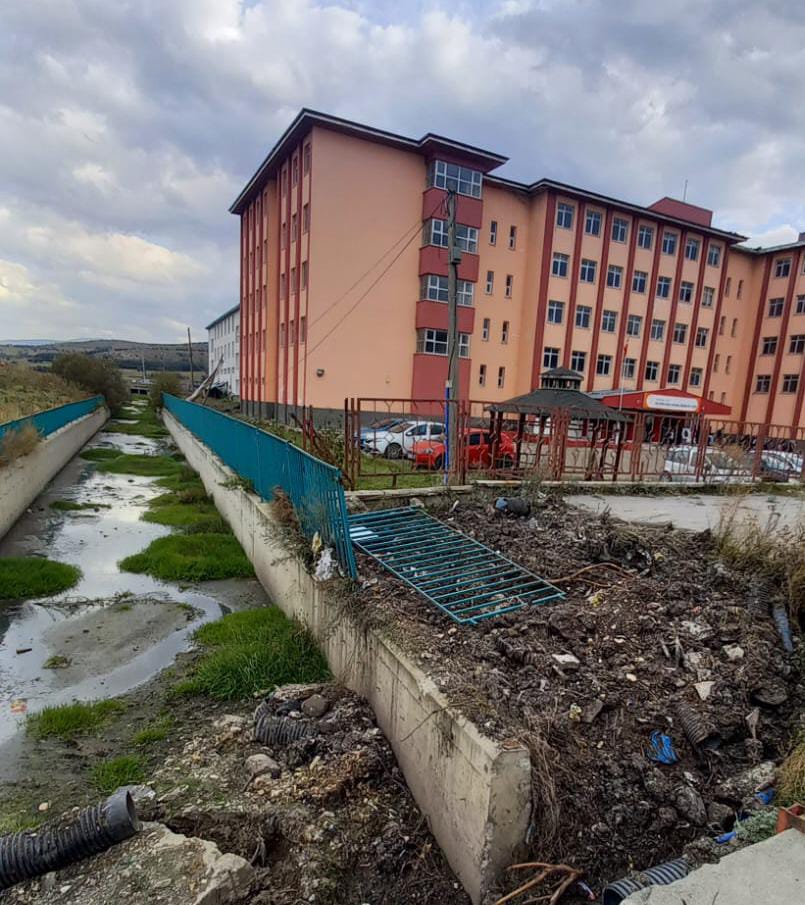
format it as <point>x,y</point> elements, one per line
<point>129,127</point>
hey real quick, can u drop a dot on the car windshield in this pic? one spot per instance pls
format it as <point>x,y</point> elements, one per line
<point>402,426</point>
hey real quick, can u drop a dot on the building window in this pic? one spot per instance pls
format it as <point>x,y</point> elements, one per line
<point>295,172</point>
<point>639,281</point>
<point>583,314</point>
<point>776,307</point>
<point>482,375</point>
<point>707,297</point>
<point>302,330</point>
<point>652,369</point>
<point>782,267</point>
<point>434,342</point>
<point>657,329</point>
<point>669,243</point>
<point>501,376</point>
<point>304,274</point>
<point>633,325</point>
<point>466,236</point>
<point>620,228</point>
<point>728,364</point>
<point>645,236</point>
<point>695,377</point>
<point>614,276</point>
<point>714,255</point>
<point>734,328</point>
<point>592,223</point>
<point>609,321</point>
<point>504,332</point>
<point>673,373</point>
<point>443,175</point>
<point>512,238</point>
<point>701,337</point>
<point>434,289</point>
<point>509,286</point>
<point>292,333</point>
<point>721,324</point>
<point>790,383</point>
<point>680,333</point>
<point>556,311</point>
<point>769,345</point>
<point>284,235</point>
<point>692,249</point>
<point>306,159</point>
<point>685,291</point>
<point>485,329</point>
<point>564,216</point>
<point>493,236</point>
<point>727,287</point>
<point>490,282</point>
<point>763,383</point>
<point>740,291</point>
<point>797,344</point>
<point>282,336</point>
<point>294,227</point>
<point>550,357</point>
<point>305,218</point>
<point>587,271</point>
<point>629,365</point>
<point>283,285</point>
<point>663,287</point>
<point>559,265</point>
<point>716,360</point>
<point>603,365</point>
<point>578,361</point>
<point>800,304</point>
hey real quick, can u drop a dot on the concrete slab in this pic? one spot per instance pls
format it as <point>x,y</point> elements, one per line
<point>694,512</point>
<point>771,873</point>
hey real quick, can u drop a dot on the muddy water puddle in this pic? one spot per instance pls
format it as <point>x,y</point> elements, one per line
<point>114,630</point>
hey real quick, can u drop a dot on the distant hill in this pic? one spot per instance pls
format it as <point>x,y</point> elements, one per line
<point>127,354</point>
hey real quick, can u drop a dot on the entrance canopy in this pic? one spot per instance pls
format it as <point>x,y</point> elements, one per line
<point>668,401</point>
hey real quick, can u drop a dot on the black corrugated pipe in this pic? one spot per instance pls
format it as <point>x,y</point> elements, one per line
<point>661,875</point>
<point>277,731</point>
<point>783,626</point>
<point>32,853</point>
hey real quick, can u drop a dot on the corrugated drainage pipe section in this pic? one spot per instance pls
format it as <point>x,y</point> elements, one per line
<point>32,853</point>
<point>661,875</point>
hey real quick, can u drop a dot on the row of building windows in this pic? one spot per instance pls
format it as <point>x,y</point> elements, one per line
<point>434,289</point>
<point>486,329</point>
<point>493,235</point>
<point>603,367</point>
<point>434,342</point>
<point>289,336</point>
<point>790,383</point>
<point>302,281</point>
<point>796,344</point>
<point>482,376</point>
<point>634,323</point>
<point>490,284</point>
<point>306,157</point>
<point>293,235</point>
<point>777,306</point>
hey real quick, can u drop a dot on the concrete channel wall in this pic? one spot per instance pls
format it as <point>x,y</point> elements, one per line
<point>23,480</point>
<point>475,793</point>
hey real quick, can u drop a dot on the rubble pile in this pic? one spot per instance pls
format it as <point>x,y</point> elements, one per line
<point>647,696</point>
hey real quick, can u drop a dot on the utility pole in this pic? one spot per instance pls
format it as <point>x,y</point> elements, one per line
<point>190,352</point>
<point>453,382</point>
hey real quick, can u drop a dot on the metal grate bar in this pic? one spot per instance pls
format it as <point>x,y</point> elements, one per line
<point>463,578</point>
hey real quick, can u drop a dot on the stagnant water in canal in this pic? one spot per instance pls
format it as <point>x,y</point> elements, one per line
<point>115,628</point>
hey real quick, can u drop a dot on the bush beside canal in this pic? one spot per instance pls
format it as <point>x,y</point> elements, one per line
<point>22,577</point>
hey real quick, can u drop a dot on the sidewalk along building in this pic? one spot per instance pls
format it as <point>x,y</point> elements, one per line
<point>344,283</point>
<point>223,337</point>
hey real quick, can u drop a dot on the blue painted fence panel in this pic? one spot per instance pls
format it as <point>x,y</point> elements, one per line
<point>50,421</point>
<point>313,486</point>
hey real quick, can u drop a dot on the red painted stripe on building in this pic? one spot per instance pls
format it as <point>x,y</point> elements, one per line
<point>242,307</point>
<point>752,363</point>
<point>286,186</point>
<point>697,303</point>
<point>307,257</point>
<point>652,289</point>
<point>575,272</point>
<point>796,264</point>
<point>627,294</point>
<point>260,299</point>
<point>278,313</point>
<point>542,301</point>
<point>599,298</point>
<point>298,281</point>
<point>676,283</point>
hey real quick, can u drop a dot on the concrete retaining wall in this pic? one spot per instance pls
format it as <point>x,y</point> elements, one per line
<point>23,480</point>
<point>475,793</point>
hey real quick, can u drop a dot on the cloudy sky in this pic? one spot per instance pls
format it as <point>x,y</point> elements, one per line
<point>129,126</point>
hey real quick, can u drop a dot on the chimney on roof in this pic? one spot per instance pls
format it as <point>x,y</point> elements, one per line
<point>801,237</point>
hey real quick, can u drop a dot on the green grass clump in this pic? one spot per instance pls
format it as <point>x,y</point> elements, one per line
<point>791,782</point>
<point>30,576</point>
<point>146,424</point>
<point>111,774</point>
<point>57,661</point>
<point>184,479</point>
<point>18,820</point>
<point>100,454</point>
<point>68,720</point>
<point>761,825</point>
<point>72,506</point>
<point>191,557</point>
<point>251,651</point>
<point>196,516</point>
<point>156,732</point>
<point>143,465</point>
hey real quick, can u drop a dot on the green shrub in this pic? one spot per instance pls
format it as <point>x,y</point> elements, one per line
<point>29,576</point>
<point>191,557</point>
<point>68,720</point>
<point>156,732</point>
<point>96,375</point>
<point>111,774</point>
<point>100,454</point>
<point>163,383</point>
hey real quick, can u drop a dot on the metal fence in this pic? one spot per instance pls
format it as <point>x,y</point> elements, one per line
<point>268,462</point>
<point>48,422</point>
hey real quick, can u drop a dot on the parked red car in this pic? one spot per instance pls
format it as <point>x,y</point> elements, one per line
<point>477,450</point>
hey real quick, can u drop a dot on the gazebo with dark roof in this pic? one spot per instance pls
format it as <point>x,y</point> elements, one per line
<point>559,392</point>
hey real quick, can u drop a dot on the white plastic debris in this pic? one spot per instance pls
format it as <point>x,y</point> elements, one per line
<point>326,566</point>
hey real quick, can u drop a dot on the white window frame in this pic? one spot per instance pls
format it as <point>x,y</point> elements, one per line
<point>779,305</point>
<point>431,340</point>
<point>639,281</point>
<point>493,232</point>
<point>584,316</point>
<point>555,306</point>
<point>651,371</point>
<point>468,181</point>
<point>553,352</point>
<point>560,261</point>
<point>504,332</point>
<point>685,292</point>
<point>592,223</point>
<point>620,229</point>
<point>669,242</point>
<point>501,376</point>
<point>434,289</point>
<point>680,330</point>
<point>587,270</point>
<point>692,248</point>
<point>657,330</point>
<point>714,255</point>
<point>512,238</point>
<point>645,237</point>
<point>695,377</point>
<point>485,328</point>
<point>708,295</point>
<point>482,375</point>
<point>574,357</point>
<point>628,368</point>
<point>782,268</point>
<point>509,286</point>
<point>763,383</point>
<point>603,365</point>
<point>665,282</point>
<point>702,336</point>
<point>490,282</point>
<point>634,320</point>
<point>609,317</point>
<point>564,215</point>
<point>614,276</point>
<point>790,383</point>
<point>466,236</point>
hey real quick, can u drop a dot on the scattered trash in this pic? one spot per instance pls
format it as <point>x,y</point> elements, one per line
<point>575,713</point>
<point>24,650</point>
<point>697,732</point>
<point>19,705</point>
<point>766,796</point>
<point>585,890</point>
<point>662,748</point>
<point>769,695</point>
<point>416,502</point>
<point>515,506</point>
<point>592,710</point>
<point>733,652</point>
<point>276,731</point>
<point>703,689</point>
<point>783,626</point>
<point>792,817</point>
<point>661,875</point>
<point>327,566</point>
<point>567,661</point>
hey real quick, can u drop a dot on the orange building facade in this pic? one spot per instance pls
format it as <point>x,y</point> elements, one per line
<point>343,284</point>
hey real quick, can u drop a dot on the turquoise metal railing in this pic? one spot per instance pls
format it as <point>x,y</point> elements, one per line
<point>268,462</point>
<point>50,421</point>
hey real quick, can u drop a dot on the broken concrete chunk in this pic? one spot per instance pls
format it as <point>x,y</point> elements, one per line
<point>733,652</point>
<point>260,764</point>
<point>567,662</point>
<point>703,689</point>
<point>592,710</point>
<point>690,805</point>
<point>315,706</point>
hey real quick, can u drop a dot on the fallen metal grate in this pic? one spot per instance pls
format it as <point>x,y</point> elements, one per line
<point>462,577</point>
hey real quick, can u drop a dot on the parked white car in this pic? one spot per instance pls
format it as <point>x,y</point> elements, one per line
<point>680,465</point>
<point>398,441</point>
